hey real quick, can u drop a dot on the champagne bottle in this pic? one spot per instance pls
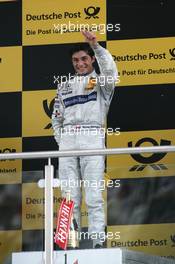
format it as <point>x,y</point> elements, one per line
<point>73,241</point>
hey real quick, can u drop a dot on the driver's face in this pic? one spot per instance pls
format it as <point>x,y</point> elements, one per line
<point>82,62</point>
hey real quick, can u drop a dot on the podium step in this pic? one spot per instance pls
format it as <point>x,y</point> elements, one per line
<point>92,256</point>
<point>135,257</point>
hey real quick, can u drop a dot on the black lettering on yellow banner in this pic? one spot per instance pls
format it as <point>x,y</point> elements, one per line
<point>10,170</point>
<point>155,239</point>
<point>62,22</point>
<point>144,61</point>
<point>33,202</point>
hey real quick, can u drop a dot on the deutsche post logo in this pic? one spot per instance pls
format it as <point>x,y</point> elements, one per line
<point>91,11</point>
<point>173,240</point>
<point>48,110</point>
<point>7,150</point>
<point>172,53</point>
<point>153,158</point>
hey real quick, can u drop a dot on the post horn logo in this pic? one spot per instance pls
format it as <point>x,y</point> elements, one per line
<point>48,110</point>
<point>155,157</point>
<point>91,11</point>
<point>7,150</point>
<point>173,240</point>
<point>152,159</point>
<point>172,53</point>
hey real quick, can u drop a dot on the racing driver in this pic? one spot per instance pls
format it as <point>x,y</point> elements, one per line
<point>81,106</point>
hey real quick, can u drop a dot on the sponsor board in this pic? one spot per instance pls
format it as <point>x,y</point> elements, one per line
<point>10,170</point>
<point>156,239</point>
<point>33,207</point>
<point>59,22</point>
<point>37,112</point>
<point>144,61</point>
<point>144,164</point>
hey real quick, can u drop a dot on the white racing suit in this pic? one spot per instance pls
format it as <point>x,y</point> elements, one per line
<point>78,117</point>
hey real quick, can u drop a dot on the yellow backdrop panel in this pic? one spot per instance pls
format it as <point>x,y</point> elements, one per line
<point>119,166</point>
<point>10,170</point>
<point>156,239</point>
<point>51,22</point>
<point>10,241</point>
<point>10,69</point>
<point>35,119</point>
<point>144,61</point>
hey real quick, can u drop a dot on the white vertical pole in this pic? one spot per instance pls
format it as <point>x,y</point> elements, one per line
<point>49,174</point>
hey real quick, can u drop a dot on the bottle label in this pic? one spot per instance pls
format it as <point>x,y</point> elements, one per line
<point>63,223</point>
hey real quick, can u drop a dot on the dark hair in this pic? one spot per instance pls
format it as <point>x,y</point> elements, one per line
<point>84,47</point>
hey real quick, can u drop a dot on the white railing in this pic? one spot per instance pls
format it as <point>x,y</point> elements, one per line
<point>85,152</point>
<point>49,182</point>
